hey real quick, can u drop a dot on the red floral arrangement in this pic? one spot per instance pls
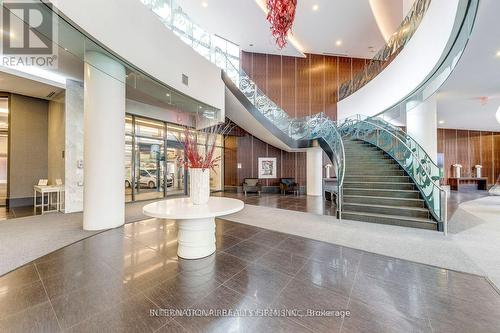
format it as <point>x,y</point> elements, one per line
<point>281,14</point>
<point>196,155</point>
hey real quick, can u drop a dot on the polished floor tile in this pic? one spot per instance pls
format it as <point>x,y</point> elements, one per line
<point>36,319</point>
<point>304,296</point>
<point>260,283</point>
<point>112,281</point>
<point>248,250</point>
<point>129,316</point>
<point>405,300</point>
<point>283,261</point>
<point>221,299</point>
<point>337,278</point>
<point>13,300</point>
<point>371,319</point>
<point>269,238</point>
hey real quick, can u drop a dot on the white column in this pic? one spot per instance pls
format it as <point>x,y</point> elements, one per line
<point>421,125</point>
<point>104,143</point>
<point>314,171</point>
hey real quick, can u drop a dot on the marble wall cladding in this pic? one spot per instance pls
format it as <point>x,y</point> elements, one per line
<point>73,197</point>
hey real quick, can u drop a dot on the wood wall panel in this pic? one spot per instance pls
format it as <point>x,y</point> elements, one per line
<point>475,148</point>
<point>275,152</point>
<point>288,85</point>
<point>288,164</point>
<point>259,70</point>
<point>462,150</point>
<point>450,150</point>
<point>245,157</point>
<point>496,156</point>
<point>317,83</point>
<point>301,86</point>
<point>230,160</point>
<point>259,150</point>
<point>274,79</point>
<point>303,100</point>
<point>487,155</point>
<point>470,148</point>
<point>301,169</point>
<point>331,86</point>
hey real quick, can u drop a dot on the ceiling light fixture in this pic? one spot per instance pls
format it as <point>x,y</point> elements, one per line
<point>338,43</point>
<point>441,122</point>
<point>204,4</point>
<point>315,7</point>
<point>498,54</point>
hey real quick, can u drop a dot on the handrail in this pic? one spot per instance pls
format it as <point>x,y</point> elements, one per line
<point>350,127</point>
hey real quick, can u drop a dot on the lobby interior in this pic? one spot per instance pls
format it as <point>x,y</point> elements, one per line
<point>355,188</point>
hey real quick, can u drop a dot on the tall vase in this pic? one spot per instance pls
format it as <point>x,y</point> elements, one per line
<point>199,185</point>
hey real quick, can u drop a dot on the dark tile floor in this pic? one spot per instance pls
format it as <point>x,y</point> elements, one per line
<point>118,280</point>
<point>301,203</point>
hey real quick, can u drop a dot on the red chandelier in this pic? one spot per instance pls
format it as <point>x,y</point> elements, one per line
<point>281,14</point>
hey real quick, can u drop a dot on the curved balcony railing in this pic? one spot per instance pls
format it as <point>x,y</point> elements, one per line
<point>390,50</point>
<point>408,153</point>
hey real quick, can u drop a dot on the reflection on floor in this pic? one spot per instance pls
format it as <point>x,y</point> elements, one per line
<point>112,281</point>
<point>12,213</point>
<point>301,203</point>
<point>317,205</point>
<point>151,194</point>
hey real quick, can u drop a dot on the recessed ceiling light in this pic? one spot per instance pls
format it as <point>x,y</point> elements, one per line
<point>497,115</point>
<point>204,4</point>
<point>338,43</point>
<point>441,122</point>
<point>498,54</point>
<point>200,107</point>
<point>315,7</point>
<point>168,95</point>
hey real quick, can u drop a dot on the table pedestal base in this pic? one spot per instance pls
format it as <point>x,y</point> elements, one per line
<point>196,238</point>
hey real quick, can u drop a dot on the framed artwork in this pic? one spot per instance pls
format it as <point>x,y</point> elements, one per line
<point>267,167</point>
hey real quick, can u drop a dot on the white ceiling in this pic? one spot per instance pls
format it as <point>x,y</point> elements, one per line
<point>359,24</point>
<point>470,97</point>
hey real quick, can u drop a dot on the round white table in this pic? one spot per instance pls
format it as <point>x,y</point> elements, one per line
<point>196,237</point>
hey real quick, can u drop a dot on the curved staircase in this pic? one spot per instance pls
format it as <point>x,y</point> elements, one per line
<point>377,189</point>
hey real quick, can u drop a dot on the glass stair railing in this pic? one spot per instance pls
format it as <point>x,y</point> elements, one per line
<point>410,156</point>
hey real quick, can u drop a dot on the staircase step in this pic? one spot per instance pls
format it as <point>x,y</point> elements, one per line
<point>383,172</point>
<point>387,179</point>
<point>367,167</point>
<point>391,220</point>
<point>376,200</point>
<point>389,210</point>
<point>380,185</point>
<point>387,193</point>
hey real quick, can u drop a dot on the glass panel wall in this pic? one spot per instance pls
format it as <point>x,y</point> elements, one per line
<point>152,166</point>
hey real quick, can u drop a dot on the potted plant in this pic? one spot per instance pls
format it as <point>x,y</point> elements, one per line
<point>199,158</point>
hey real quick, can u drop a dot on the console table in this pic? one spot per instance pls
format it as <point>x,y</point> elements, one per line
<point>482,183</point>
<point>48,190</point>
<point>196,236</point>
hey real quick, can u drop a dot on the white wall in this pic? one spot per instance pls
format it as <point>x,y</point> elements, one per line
<point>56,139</point>
<point>422,126</point>
<point>73,183</point>
<point>135,33</point>
<point>410,68</point>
